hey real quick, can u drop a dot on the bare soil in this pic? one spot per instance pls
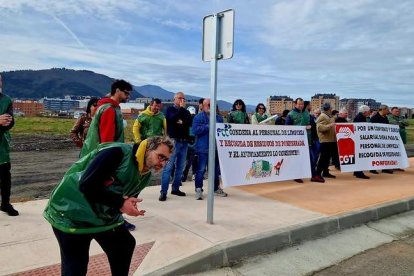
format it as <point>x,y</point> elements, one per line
<point>38,164</point>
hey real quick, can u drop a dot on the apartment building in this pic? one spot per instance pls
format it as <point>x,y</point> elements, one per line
<point>276,104</point>
<point>27,107</point>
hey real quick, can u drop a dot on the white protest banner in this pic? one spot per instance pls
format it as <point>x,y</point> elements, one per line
<point>369,146</point>
<point>251,154</point>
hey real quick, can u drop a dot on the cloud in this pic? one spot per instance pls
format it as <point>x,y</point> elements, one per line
<point>286,47</point>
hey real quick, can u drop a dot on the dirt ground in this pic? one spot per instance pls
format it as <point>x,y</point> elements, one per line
<point>38,164</point>
<point>40,161</point>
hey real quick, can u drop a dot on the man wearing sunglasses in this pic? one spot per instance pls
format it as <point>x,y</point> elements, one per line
<point>89,202</point>
<point>108,125</point>
<point>178,128</point>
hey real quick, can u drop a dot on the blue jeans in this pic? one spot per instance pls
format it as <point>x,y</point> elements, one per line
<point>314,151</point>
<point>177,158</point>
<point>201,168</point>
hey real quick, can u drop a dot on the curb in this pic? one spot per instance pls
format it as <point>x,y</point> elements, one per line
<point>230,253</point>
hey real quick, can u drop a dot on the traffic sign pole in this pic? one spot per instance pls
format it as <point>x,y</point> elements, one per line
<point>212,129</point>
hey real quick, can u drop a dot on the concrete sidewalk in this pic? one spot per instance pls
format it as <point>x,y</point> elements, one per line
<point>251,220</point>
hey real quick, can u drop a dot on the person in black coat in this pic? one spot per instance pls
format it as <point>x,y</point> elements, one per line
<point>381,117</point>
<point>362,117</point>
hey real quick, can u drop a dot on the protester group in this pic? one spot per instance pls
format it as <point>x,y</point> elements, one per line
<point>105,182</point>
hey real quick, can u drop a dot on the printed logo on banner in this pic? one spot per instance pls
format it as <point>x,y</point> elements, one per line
<point>263,168</point>
<point>346,145</point>
<point>259,169</point>
<point>278,166</point>
<point>224,131</point>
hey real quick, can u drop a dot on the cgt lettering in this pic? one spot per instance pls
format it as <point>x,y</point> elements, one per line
<point>347,159</point>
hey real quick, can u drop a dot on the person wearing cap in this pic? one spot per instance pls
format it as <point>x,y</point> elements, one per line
<point>381,118</point>
<point>6,123</point>
<point>150,122</point>
<point>362,117</point>
<point>325,125</point>
<point>89,202</point>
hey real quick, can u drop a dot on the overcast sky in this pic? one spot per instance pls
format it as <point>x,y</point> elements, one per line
<point>356,49</point>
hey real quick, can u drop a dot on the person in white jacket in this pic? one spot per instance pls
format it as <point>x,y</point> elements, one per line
<point>261,115</point>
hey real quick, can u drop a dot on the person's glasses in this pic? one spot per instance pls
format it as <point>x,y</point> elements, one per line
<point>162,157</point>
<point>238,104</point>
<point>261,108</point>
<point>181,98</point>
<point>127,93</point>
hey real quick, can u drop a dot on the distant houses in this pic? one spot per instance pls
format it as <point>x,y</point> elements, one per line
<point>276,104</point>
<point>74,106</point>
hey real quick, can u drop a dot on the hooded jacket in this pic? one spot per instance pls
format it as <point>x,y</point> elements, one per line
<point>149,124</point>
<point>88,198</point>
<point>107,126</point>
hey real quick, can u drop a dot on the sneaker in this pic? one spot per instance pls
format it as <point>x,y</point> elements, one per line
<point>193,177</point>
<point>220,192</point>
<point>374,172</point>
<point>318,179</point>
<point>298,180</point>
<point>129,226</point>
<point>178,193</point>
<point>328,175</point>
<point>198,194</point>
<point>163,197</point>
<point>9,210</point>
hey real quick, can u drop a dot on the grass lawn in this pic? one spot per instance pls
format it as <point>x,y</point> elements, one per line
<point>54,126</point>
<point>410,132</point>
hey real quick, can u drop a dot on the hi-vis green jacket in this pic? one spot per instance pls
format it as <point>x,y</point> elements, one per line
<point>5,107</point>
<point>70,211</point>
<point>93,137</point>
<point>149,124</point>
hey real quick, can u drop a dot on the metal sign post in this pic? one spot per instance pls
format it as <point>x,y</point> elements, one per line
<point>217,29</point>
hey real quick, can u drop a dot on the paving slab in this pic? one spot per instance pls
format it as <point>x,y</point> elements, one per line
<point>287,211</point>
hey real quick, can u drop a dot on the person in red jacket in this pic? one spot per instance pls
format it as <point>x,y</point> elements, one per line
<point>107,124</point>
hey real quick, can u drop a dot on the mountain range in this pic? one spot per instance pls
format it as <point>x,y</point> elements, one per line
<point>59,82</point>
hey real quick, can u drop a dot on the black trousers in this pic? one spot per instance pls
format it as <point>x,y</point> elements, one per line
<point>5,183</point>
<point>328,150</point>
<point>190,163</point>
<point>118,244</point>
